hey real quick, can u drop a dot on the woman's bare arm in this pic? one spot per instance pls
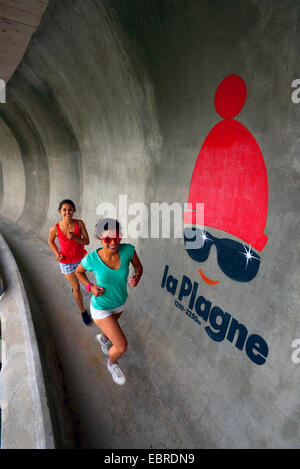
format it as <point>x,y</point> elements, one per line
<point>138,270</point>
<point>51,243</point>
<point>84,239</point>
<point>81,275</point>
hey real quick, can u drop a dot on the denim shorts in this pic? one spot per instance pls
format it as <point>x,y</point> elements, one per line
<point>104,313</point>
<point>68,268</point>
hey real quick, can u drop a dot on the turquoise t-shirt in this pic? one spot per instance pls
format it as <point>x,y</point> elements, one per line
<point>114,281</point>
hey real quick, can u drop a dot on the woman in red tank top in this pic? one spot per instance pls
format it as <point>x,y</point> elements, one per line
<point>72,237</point>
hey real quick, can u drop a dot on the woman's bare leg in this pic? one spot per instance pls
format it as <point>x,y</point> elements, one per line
<point>73,281</point>
<point>116,315</point>
<point>111,329</point>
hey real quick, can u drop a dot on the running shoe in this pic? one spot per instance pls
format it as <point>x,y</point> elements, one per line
<point>86,318</point>
<point>116,373</point>
<point>104,342</point>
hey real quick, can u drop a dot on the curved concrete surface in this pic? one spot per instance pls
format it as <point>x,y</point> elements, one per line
<point>19,20</point>
<point>117,97</point>
<point>25,417</point>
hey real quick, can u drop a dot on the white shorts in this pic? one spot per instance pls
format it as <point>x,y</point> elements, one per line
<point>104,313</point>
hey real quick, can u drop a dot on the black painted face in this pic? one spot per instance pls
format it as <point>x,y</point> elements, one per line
<point>235,260</point>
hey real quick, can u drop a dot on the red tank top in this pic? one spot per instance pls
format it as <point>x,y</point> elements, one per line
<point>70,249</point>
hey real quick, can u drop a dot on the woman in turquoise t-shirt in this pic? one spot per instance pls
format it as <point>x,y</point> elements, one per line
<point>110,265</point>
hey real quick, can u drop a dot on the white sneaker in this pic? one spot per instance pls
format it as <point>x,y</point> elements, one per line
<point>105,343</point>
<point>116,372</point>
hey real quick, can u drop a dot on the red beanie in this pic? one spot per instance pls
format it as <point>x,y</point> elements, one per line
<point>230,176</point>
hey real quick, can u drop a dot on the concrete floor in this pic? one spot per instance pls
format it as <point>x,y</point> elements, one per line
<point>90,410</point>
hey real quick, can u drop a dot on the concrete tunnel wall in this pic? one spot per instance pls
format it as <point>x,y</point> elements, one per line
<point>117,97</point>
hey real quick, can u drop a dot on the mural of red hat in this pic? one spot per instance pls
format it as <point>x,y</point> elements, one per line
<point>230,179</point>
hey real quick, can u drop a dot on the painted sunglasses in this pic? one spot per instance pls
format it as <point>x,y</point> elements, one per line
<point>236,261</point>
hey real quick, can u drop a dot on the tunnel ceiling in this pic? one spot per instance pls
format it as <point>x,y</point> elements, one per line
<point>18,21</point>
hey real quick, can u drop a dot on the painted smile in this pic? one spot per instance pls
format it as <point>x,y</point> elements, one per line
<point>208,280</point>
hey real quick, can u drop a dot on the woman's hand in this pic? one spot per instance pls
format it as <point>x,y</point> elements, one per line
<point>97,291</point>
<point>133,281</point>
<point>59,257</point>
